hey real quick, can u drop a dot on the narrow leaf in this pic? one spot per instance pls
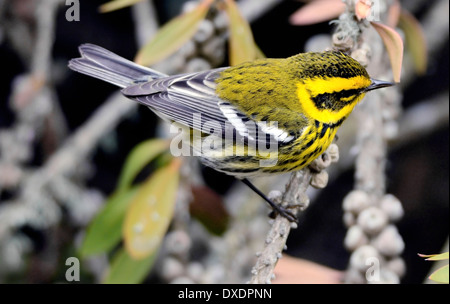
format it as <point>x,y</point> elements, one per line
<point>259,53</point>
<point>242,44</point>
<point>173,35</point>
<point>138,158</point>
<point>440,275</point>
<point>435,257</point>
<point>415,41</point>
<point>126,270</point>
<point>115,5</point>
<point>105,230</point>
<point>394,14</point>
<point>394,46</point>
<point>317,11</point>
<point>151,211</point>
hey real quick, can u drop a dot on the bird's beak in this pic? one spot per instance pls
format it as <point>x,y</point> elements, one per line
<point>377,84</point>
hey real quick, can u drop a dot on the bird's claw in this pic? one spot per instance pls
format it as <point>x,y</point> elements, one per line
<point>284,213</point>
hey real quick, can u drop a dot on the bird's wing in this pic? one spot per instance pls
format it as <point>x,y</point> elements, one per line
<point>191,100</point>
<point>181,98</point>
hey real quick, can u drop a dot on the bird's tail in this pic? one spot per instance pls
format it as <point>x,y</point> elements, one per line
<point>100,63</point>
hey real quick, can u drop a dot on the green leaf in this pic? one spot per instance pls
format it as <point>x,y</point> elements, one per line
<point>440,275</point>
<point>415,41</point>
<point>173,35</point>
<point>138,158</point>
<point>151,211</point>
<point>115,5</point>
<point>435,257</point>
<point>105,231</point>
<point>242,44</point>
<point>126,270</point>
<point>394,46</point>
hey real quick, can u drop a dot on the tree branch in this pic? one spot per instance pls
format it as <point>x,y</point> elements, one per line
<point>296,200</point>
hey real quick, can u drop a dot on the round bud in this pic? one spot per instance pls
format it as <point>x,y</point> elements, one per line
<point>221,22</point>
<point>385,277</point>
<point>274,195</point>
<point>320,163</point>
<point>372,220</point>
<point>397,266</point>
<point>188,49</point>
<point>197,64</point>
<point>361,258</point>
<point>355,238</point>
<point>392,207</point>
<point>213,275</point>
<point>214,50</point>
<point>362,55</point>
<point>205,31</point>
<point>178,243</point>
<point>389,242</point>
<point>171,269</point>
<point>333,152</point>
<point>349,219</point>
<point>356,201</point>
<point>195,271</point>
<point>319,180</point>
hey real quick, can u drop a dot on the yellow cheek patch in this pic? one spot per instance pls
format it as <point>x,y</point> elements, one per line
<point>313,87</point>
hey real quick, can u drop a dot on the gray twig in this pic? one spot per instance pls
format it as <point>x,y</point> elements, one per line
<point>294,198</point>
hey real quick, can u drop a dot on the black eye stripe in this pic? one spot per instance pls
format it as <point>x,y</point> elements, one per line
<point>334,101</point>
<point>341,94</point>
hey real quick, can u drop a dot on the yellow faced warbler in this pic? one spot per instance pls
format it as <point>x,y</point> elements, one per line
<point>260,117</point>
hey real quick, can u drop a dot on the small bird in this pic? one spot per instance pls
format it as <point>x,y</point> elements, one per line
<point>259,117</point>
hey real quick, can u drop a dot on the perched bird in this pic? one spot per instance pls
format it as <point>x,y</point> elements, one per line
<point>259,117</point>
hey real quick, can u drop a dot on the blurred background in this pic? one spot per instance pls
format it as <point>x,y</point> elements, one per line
<point>62,148</point>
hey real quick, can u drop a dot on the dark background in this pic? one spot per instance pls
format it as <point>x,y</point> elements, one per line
<point>417,172</point>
